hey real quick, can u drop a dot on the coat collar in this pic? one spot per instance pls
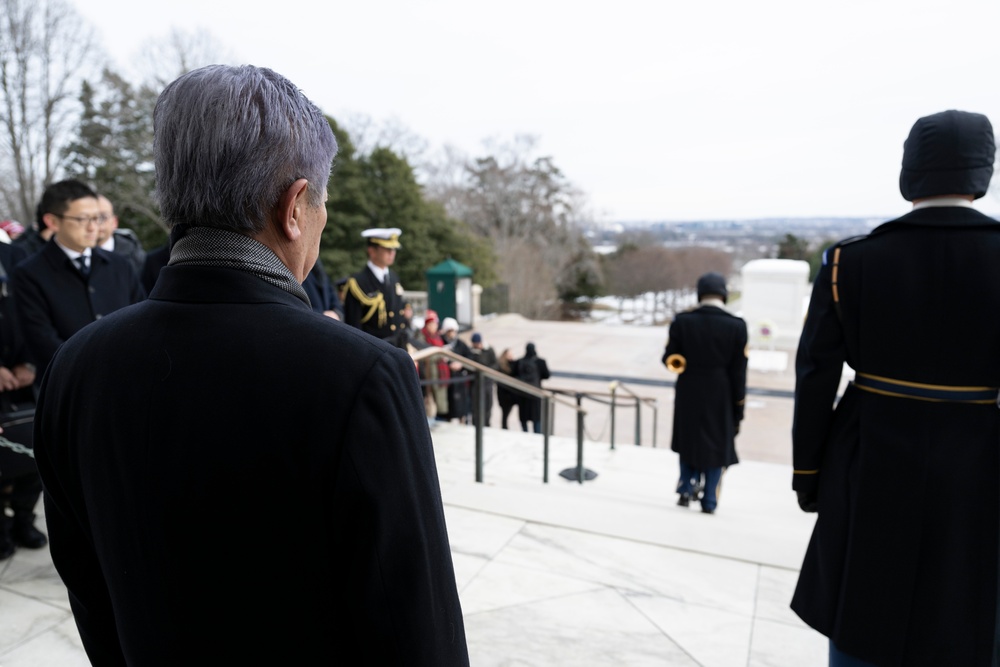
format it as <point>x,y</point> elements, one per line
<point>59,260</point>
<point>213,284</point>
<point>948,216</point>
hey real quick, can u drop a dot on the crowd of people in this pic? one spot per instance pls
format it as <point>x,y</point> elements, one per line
<point>72,267</point>
<point>449,392</point>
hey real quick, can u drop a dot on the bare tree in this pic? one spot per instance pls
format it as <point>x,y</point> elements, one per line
<point>164,59</point>
<point>45,51</point>
<point>368,134</point>
<point>642,266</point>
<point>528,211</point>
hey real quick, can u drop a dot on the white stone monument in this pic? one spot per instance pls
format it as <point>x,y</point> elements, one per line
<point>773,304</point>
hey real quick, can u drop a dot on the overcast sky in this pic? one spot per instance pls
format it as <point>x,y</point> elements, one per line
<point>657,110</point>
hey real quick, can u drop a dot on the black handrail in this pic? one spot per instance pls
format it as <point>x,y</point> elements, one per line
<point>549,399</point>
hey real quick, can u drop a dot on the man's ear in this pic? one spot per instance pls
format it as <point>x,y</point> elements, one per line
<point>291,207</point>
<point>48,221</point>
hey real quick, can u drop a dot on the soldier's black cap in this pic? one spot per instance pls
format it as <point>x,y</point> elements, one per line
<point>713,283</point>
<point>948,153</point>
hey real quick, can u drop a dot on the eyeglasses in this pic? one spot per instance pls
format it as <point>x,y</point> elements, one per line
<point>96,219</point>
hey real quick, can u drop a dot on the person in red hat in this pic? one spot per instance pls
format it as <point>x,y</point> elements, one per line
<point>435,368</point>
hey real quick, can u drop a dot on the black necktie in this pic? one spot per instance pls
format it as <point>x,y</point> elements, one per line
<point>81,262</point>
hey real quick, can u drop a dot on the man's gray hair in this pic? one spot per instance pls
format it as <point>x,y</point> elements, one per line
<point>228,141</point>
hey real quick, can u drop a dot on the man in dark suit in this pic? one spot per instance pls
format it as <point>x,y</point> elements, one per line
<point>707,348</point>
<point>68,284</point>
<point>322,296</point>
<point>156,259</point>
<point>902,565</point>
<point>112,238</point>
<point>248,432</point>
<point>373,297</point>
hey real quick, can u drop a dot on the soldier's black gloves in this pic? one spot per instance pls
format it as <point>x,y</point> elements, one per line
<point>807,501</point>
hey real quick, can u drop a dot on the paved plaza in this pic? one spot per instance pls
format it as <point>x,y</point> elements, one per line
<point>610,572</point>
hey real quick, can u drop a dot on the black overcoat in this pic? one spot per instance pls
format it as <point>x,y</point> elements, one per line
<point>322,296</point>
<point>12,348</point>
<point>233,479</point>
<point>54,300</point>
<point>709,395</point>
<point>902,565</point>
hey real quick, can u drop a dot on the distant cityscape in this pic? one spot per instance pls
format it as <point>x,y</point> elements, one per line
<point>744,239</point>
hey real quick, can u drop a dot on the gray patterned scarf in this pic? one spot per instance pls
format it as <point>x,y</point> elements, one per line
<point>209,246</point>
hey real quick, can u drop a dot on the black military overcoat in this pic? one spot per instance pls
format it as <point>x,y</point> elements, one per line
<point>708,404</point>
<point>902,565</point>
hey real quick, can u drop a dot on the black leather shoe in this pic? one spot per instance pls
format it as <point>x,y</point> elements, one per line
<point>684,500</point>
<point>24,534</point>
<point>705,510</point>
<point>6,545</point>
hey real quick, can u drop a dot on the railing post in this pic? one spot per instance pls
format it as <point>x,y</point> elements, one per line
<point>656,411</point>
<point>579,438</point>
<point>480,408</point>
<point>638,422</point>
<point>614,387</point>
<point>546,418</point>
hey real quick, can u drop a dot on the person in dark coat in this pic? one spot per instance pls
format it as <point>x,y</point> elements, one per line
<point>373,297</point>
<point>322,297</point>
<point>20,486</point>
<point>156,259</point>
<point>708,349</point>
<point>507,398</point>
<point>483,354</point>
<point>112,238</point>
<point>246,430</point>
<point>459,392</point>
<point>902,565</point>
<point>68,284</point>
<point>531,369</point>
<point>34,237</point>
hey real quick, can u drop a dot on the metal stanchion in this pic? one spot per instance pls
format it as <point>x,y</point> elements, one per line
<point>480,411</point>
<point>579,473</point>
<point>614,388</point>
<point>638,422</point>
<point>579,440</point>
<point>546,429</point>
<point>656,412</point>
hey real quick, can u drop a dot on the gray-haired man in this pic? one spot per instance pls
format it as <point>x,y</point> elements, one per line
<point>265,492</point>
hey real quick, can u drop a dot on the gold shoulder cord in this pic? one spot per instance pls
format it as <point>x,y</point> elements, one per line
<point>374,303</point>
<point>833,280</point>
<point>834,275</point>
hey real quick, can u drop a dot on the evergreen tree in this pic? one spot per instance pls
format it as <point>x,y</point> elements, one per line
<point>381,190</point>
<point>792,247</point>
<point>113,151</point>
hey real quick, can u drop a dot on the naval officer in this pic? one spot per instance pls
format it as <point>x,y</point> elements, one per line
<point>373,297</point>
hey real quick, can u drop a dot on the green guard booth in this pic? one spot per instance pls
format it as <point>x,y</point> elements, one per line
<point>449,291</point>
